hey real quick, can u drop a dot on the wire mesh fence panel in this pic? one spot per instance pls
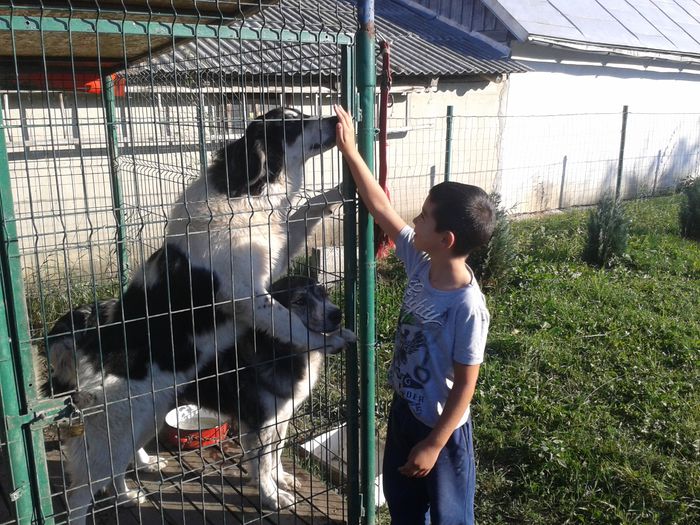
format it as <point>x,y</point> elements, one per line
<point>661,150</point>
<point>155,199</point>
<point>180,254</point>
<point>541,163</point>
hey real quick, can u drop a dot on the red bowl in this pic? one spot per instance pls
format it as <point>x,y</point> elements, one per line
<point>189,427</point>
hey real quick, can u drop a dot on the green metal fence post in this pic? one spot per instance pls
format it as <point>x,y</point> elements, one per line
<point>350,275</point>
<point>623,135</point>
<point>117,198</point>
<point>31,491</point>
<point>448,143</point>
<point>366,83</point>
<point>18,451</point>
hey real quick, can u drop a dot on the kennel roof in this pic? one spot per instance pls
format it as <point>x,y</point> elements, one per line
<point>104,36</point>
<point>421,44</point>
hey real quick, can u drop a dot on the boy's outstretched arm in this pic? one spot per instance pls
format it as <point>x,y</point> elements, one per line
<point>370,191</point>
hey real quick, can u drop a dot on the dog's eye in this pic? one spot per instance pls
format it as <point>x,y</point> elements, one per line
<point>299,301</point>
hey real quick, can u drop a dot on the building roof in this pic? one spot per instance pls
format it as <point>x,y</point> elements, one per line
<point>667,29</point>
<point>421,44</point>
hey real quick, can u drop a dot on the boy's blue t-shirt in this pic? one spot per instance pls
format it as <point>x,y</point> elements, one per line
<point>436,328</point>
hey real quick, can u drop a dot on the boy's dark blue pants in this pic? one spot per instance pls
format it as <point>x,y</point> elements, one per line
<point>446,495</point>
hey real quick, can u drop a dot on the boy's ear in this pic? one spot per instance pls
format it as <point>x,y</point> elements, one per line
<point>448,239</point>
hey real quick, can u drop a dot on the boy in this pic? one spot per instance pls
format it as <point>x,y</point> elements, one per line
<point>429,470</point>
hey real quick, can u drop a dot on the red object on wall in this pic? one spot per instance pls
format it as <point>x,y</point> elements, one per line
<point>81,82</point>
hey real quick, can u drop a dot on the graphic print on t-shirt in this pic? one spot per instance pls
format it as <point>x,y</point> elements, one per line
<point>418,322</point>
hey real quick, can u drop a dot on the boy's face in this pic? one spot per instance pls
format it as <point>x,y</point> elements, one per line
<point>426,239</point>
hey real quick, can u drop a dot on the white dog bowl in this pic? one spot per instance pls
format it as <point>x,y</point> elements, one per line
<point>190,427</point>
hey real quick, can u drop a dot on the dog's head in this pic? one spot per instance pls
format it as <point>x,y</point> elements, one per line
<point>308,300</point>
<point>273,149</point>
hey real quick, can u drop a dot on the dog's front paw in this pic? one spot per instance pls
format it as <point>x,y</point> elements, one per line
<point>335,343</point>
<point>339,340</point>
<point>149,463</point>
<point>154,464</point>
<point>348,335</point>
<point>133,497</point>
<point>277,500</point>
<point>288,481</point>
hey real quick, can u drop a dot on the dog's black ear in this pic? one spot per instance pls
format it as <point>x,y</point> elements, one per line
<point>239,168</point>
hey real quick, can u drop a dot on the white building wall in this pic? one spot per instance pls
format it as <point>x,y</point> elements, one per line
<point>580,145</point>
<point>417,139</point>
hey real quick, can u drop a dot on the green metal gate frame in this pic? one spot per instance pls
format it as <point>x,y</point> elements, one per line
<point>26,414</point>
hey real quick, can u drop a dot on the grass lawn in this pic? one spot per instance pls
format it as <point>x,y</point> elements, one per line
<point>588,403</point>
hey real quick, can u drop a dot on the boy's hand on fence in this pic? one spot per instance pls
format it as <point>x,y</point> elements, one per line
<point>344,131</point>
<point>421,460</point>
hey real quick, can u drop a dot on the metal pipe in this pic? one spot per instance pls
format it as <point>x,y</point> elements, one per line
<point>366,84</point>
<point>448,143</point>
<point>563,182</point>
<point>29,477</point>
<point>350,279</point>
<point>117,199</point>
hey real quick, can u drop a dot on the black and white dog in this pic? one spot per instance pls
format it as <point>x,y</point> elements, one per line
<point>257,384</point>
<point>261,383</point>
<point>228,236</point>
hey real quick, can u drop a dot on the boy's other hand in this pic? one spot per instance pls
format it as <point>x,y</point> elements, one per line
<point>344,131</point>
<point>421,460</point>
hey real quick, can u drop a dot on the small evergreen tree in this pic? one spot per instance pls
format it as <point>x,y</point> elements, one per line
<point>493,263</point>
<point>608,230</point>
<point>690,209</point>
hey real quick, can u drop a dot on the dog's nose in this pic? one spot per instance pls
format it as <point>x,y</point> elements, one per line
<point>335,316</point>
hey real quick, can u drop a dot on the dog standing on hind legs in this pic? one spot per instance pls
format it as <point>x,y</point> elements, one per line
<point>226,241</point>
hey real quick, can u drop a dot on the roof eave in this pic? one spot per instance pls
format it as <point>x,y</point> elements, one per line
<point>507,19</point>
<point>632,52</point>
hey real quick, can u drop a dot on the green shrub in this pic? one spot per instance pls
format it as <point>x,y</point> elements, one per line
<point>493,263</point>
<point>690,209</point>
<point>608,230</point>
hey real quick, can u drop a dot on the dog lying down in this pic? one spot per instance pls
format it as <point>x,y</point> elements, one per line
<point>258,385</point>
<point>229,236</point>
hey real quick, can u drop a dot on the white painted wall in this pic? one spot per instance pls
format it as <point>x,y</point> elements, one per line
<point>663,128</point>
<point>417,133</point>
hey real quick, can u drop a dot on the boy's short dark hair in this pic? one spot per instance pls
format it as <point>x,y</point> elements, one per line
<point>466,211</point>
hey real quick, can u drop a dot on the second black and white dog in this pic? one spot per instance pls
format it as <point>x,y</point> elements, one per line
<point>261,384</point>
<point>256,385</point>
<point>228,237</point>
